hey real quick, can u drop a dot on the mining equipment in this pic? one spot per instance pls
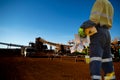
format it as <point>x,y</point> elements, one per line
<point>115,49</point>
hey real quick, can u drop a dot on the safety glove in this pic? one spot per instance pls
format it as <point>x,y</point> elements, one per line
<point>87,28</point>
<point>81,32</point>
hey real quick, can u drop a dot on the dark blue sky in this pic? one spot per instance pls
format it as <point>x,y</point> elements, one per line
<point>21,21</point>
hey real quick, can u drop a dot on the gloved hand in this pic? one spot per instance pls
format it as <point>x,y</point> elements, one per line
<point>85,29</point>
<point>81,32</point>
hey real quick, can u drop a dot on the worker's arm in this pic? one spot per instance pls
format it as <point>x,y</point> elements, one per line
<point>90,31</point>
<point>96,11</point>
<point>87,28</point>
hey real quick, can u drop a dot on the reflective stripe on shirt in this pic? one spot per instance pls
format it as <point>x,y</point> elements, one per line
<point>102,14</point>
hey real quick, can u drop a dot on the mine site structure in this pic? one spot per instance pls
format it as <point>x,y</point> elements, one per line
<point>40,44</point>
<point>115,49</point>
<point>10,44</point>
<point>23,48</point>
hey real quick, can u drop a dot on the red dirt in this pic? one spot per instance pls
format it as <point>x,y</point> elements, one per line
<point>20,68</point>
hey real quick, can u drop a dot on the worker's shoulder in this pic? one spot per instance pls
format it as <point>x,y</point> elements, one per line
<point>102,1</point>
<point>98,2</point>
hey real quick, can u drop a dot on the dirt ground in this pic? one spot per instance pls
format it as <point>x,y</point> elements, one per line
<point>21,68</point>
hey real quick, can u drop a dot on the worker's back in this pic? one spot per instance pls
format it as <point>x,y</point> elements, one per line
<point>102,13</point>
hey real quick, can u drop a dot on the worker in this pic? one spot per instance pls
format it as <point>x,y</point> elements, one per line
<point>100,22</point>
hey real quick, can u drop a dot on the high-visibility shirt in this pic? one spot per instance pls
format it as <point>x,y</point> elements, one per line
<point>102,13</point>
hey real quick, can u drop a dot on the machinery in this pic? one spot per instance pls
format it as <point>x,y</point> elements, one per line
<point>9,44</point>
<point>40,45</point>
<point>115,49</point>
